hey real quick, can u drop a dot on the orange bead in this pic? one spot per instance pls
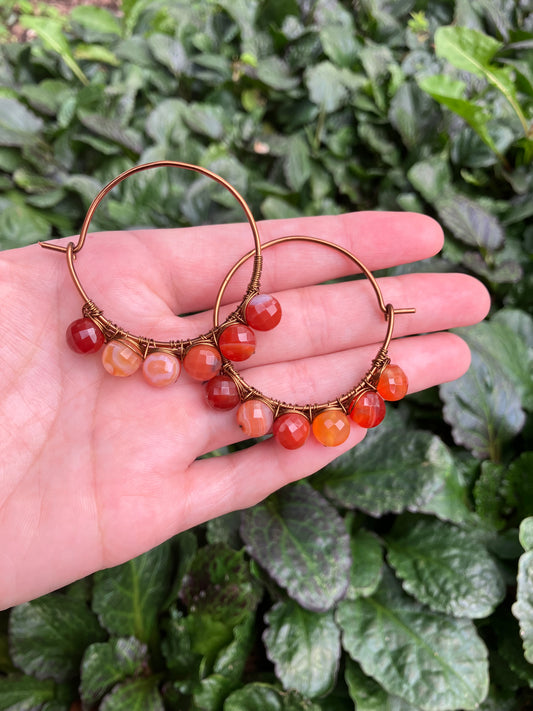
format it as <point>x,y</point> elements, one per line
<point>393,383</point>
<point>331,428</point>
<point>202,362</point>
<point>255,418</point>
<point>120,359</point>
<point>237,342</point>
<point>368,410</point>
<point>263,312</point>
<point>160,369</point>
<point>291,430</point>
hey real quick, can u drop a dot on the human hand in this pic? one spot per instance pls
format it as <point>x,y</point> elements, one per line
<point>96,470</point>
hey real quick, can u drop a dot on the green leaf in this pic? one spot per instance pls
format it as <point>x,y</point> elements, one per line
<point>392,470</point>
<point>263,697</point>
<point>484,407</point>
<point>339,44</point>
<point>431,177</point>
<point>18,125</point>
<point>367,564</point>
<point>526,533</point>
<point>304,647</point>
<point>24,693</point>
<point>127,598</point>
<point>170,52</point>
<point>300,539</point>
<point>430,660</point>
<point>96,53</point>
<point>326,85</point>
<point>445,567</point>
<point>450,93</point>
<point>471,223</point>
<point>49,635</point>
<point>96,19</point>
<point>106,663</point>
<point>523,607</point>
<point>297,165</point>
<point>368,695</point>
<point>113,130</point>
<point>138,695</point>
<point>54,38</point>
<point>275,73</point>
<point>21,224</point>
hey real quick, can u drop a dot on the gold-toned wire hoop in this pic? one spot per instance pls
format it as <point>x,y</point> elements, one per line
<point>110,330</point>
<point>345,401</point>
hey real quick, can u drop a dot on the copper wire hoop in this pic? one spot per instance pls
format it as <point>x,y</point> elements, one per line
<point>91,310</point>
<point>343,402</point>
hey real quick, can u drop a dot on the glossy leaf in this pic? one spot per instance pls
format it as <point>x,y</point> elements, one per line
<point>304,647</point>
<point>368,695</point>
<point>446,568</point>
<point>523,607</point>
<point>471,223</point>
<point>526,533</point>
<point>18,125</point>
<point>137,695</point>
<point>96,19</point>
<point>428,659</point>
<point>301,541</point>
<point>107,663</point>
<point>24,693</point>
<point>389,471</point>
<point>367,564</point>
<point>263,697</point>
<point>127,598</point>
<point>49,636</point>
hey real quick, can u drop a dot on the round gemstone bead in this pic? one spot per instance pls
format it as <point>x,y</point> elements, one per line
<point>222,393</point>
<point>161,368</point>
<point>202,362</point>
<point>255,418</point>
<point>120,359</point>
<point>291,430</point>
<point>84,336</point>
<point>393,383</point>
<point>368,410</point>
<point>331,427</point>
<point>263,312</point>
<point>237,342</point>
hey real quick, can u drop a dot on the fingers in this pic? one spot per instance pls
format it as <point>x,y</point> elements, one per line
<point>185,267</point>
<point>244,478</point>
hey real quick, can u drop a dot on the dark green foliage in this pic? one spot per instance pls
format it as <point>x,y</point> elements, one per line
<point>395,579</point>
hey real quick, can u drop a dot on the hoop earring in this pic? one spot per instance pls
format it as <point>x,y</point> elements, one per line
<point>291,424</point>
<point>123,352</point>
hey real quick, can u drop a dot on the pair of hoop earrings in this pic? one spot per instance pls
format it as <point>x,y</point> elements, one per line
<point>209,358</point>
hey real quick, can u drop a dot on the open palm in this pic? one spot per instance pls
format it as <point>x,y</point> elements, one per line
<point>96,470</point>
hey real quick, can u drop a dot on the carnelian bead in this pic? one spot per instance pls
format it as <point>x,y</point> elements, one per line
<point>120,359</point>
<point>331,427</point>
<point>393,383</point>
<point>255,418</point>
<point>263,312</point>
<point>84,336</point>
<point>291,430</point>
<point>237,342</point>
<point>161,369</point>
<point>368,410</point>
<point>202,362</point>
<point>222,393</point>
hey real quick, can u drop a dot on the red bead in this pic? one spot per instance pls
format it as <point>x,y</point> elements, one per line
<point>255,418</point>
<point>393,383</point>
<point>368,410</point>
<point>202,362</point>
<point>291,430</point>
<point>263,312</point>
<point>84,336</point>
<point>237,342</point>
<point>331,428</point>
<point>222,393</point>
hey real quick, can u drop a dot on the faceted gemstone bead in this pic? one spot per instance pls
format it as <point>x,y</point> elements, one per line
<point>368,410</point>
<point>263,312</point>
<point>237,342</point>
<point>84,336</point>
<point>331,427</point>
<point>120,359</point>
<point>202,362</point>
<point>291,430</point>
<point>393,383</point>
<point>222,393</point>
<point>161,368</point>
<point>255,418</point>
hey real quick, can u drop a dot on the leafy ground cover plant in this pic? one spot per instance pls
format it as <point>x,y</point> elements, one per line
<point>401,576</point>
